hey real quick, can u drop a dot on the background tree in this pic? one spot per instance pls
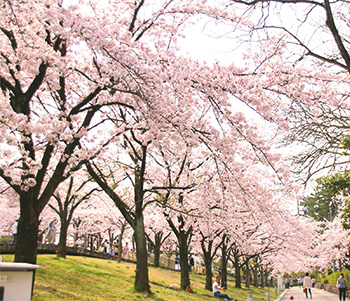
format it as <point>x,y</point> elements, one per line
<point>48,110</point>
<point>157,231</point>
<point>209,251</point>
<point>316,34</point>
<point>322,205</point>
<point>66,205</point>
<point>112,91</point>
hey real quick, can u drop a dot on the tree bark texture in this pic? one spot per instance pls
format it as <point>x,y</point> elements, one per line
<point>62,244</point>
<point>27,234</point>
<point>141,279</point>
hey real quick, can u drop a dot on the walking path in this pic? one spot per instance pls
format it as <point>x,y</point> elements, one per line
<point>317,295</point>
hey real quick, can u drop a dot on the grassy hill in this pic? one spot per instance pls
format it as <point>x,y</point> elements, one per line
<point>84,278</point>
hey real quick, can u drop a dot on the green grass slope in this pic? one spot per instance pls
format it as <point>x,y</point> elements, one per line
<point>84,278</point>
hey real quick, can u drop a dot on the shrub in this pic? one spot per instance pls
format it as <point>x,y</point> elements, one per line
<point>332,279</point>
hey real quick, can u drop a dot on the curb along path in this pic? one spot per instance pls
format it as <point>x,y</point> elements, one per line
<point>317,295</point>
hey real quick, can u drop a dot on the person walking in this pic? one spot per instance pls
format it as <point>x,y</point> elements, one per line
<point>177,263</point>
<point>191,264</point>
<point>126,251</point>
<point>217,288</point>
<point>51,232</point>
<point>307,284</point>
<point>105,246</point>
<point>341,285</point>
<point>14,231</point>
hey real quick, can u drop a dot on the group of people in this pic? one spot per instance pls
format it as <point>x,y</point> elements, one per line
<point>113,250</point>
<point>307,285</point>
<point>50,238</point>
<point>178,266</point>
<point>341,285</point>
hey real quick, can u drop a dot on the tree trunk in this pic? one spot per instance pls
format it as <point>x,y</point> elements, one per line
<point>141,279</point>
<point>247,279</point>
<point>262,278</point>
<point>183,246</point>
<point>224,259</point>
<point>208,263</point>
<point>266,278</point>
<point>208,269</point>
<point>120,242</point>
<point>156,254</point>
<point>255,277</point>
<point>27,233</point>
<point>62,244</point>
<point>238,273</point>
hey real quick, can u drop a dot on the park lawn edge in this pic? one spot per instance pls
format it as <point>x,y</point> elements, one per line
<point>86,278</point>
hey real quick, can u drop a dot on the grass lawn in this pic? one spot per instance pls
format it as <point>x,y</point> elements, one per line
<point>85,278</point>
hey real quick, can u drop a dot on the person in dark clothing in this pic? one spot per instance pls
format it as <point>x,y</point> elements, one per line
<point>191,264</point>
<point>341,285</point>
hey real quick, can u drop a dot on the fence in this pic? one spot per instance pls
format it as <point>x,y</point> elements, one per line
<point>164,262</point>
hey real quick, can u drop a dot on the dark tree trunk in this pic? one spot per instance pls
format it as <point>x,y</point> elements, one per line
<point>208,260</point>
<point>255,275</point>
<point>90,242</point>
<point>156,256</point>
<point>27,233</point>
<point>208,265</point>
<point>183,248</point>
<point>183,237</point>
<point>262,284</point>
<point>157,246</point>
<point>135,219</point>
<point>120,244</point>
<point>224,260</point>
<point>247,279</point>
<point>208,255</point>
<point>62,244</point>
<point>141,279</point>
<point>237,271</point>
<point>111,238</point>
<point>266,277</point>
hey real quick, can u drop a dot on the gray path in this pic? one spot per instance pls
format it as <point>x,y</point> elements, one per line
<point>317,295</point>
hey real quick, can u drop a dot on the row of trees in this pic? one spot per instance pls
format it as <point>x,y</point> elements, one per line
<point>255,240</point>
<point>102,89</point>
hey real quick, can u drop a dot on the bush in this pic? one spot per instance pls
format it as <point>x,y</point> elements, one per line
<point>5,240</point>
<point>332,279</point>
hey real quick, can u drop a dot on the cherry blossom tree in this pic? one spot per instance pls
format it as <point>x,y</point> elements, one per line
<point>331,244</point>
<point>104,86</point>
<point>210,246</point>
<point>50,97</point>
<point>94,220</point>
<point>296,252</point>
<point>9,208</point>
<point>67,202</point>
<point>157,231</point>
<point>316,33</point>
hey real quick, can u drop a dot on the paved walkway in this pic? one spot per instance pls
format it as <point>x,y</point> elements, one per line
<point>317,295</point>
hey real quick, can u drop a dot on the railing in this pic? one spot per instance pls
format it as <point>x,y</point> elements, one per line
<point>164,262</point>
